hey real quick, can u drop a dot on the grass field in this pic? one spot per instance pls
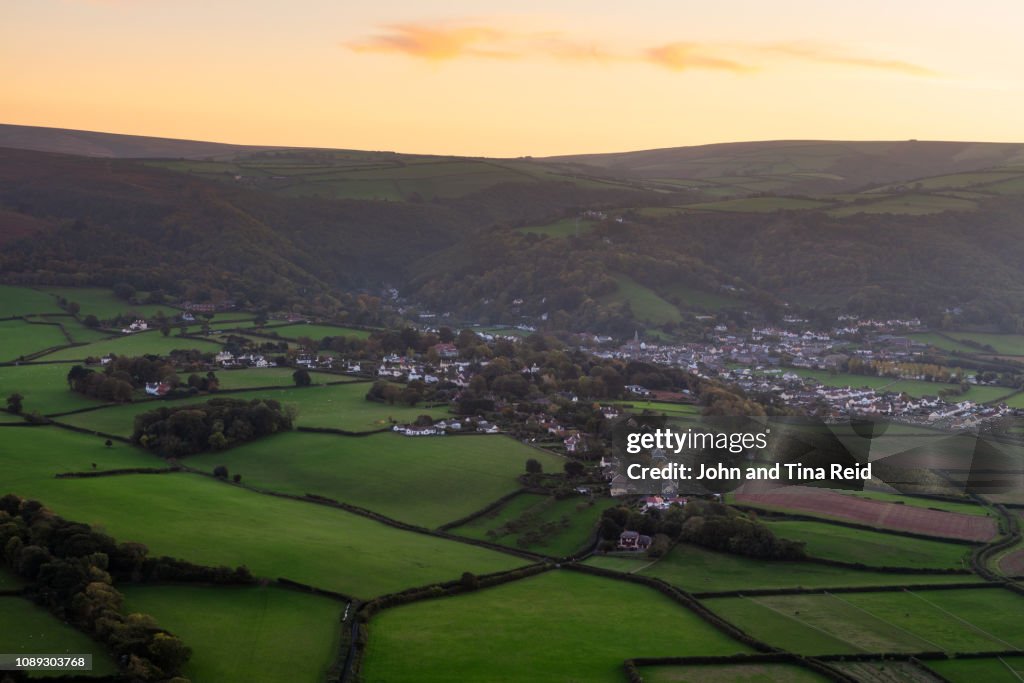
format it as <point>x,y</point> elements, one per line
<point>940,342</point>
<point>574,517</point>
<point>80,334</point>
<point>424,481</point>
<point>246,634</point>
<point>660,407</point>
<point>730,673</point>
<point>20,338</point>
<point>699,570</point>
<point>16,301</point>
<point>759,205</point>
<point>269,377</point>
<point>916,388</point>
<point>317,332</point>
<point>688,297</point>
<point>342,406</point>
<point>961,620</point>
<point>966,507</point>
<point>564,627</point>
<point>44,387</point>
<point>871,548</point>
<point>1006,344</point>
<point>39,632</point>
<point>644,302</point>
<point>989,670</point>
<point>133,345</point>
<point>104,305</point>
<point>908,204</point>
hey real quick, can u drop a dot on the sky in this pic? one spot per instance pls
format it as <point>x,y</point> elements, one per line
<point>516,78</point>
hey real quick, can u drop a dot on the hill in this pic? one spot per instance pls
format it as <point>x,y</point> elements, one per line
<point>794,165</point>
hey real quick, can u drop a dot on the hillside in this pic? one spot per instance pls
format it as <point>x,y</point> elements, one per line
<point>795,165</point>
<point>535,241</point>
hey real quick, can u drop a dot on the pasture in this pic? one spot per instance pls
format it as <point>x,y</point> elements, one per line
<point>645,302</point>
<point>339,406</point>
<point>18,301</point>
<point>957,620</point>
<point>557,528</point>
<point>316,332</point>
<point>988,669</point>
<point>252,378</point>
<point>210,522</point>
<point>871,548</point>
<point>567,227</point>
<point>759,205</point>
<point>700,570</point>
<point>911,204</point>
<point>730,673</point>
<point>39,632</point>
<point>19,338</point>
<point>44,387</point>
<point>137,344</point>
<point>251,633</point>
<point>565,626</point>
<point>425,481</point>
<point>104,305</point>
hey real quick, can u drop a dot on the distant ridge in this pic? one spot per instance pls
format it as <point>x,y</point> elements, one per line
<point>116,146</point>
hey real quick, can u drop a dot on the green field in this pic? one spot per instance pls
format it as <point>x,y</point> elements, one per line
<point>1005,344</point>
<point>80,334</point>
<point>939,341</point>
<point>340,406</point>
<point>317,332</point>
<point>966,507</point>
<point>104,305</point>
<point>574,517</point>
<point>424,481</point>
<point>246,634</point>
<point>21,338</point>
<point>39,632</point>
<point>559,626</point>
<point>989,670</point>
<point>916,388</point>
<point>44,387</point>
<point>17,301</point>
<point>961,620</point>
<point>730,673</point>
<point>834,542</point>
<point>251,378</point>
<point>699,570</point>
<point>688,297</point>
<point>133,345</point>
<point>639,405</point>
<point>759,205</point>
<point>645,302</point>
<point>908,204</point>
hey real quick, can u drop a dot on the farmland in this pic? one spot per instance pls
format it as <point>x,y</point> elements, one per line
<point>989,669</point>
<point>17,301</point>
<point>730,673</point>
<point>253,378</point>
<point>258,633</point>
<point>342,406</point>
<point>521,523</point>
<point>645,302</point>
<point>132,345</point>
<point>699,570</point>
<point>871,548</point>
<point>40,632</point>
<point>22,338</point>
<point>227,525</point>
<point>104,305</point>
<point>539,640</point>
<point>957,620</point>
<point>423,481</point>
<point>44,387</point>
<point>833,505</point>
<point>316,332</point>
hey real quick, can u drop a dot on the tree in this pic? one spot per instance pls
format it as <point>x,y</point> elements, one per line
<point>220,471</point>
<point>108,443</point>
<point>301,377</point>
<point>533,466</point>
<point>123,290</point>
<point>574,468</point>
<point>74,308</point>
<point>237,478</point>
<point>91,321</point>
<point>14,403</point>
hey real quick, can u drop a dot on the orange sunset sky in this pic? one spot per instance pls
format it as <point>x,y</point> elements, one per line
<point>515,78</point>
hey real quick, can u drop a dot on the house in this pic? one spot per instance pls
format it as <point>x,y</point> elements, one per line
<point>574,444</point>
<point>634,540</point>
<point>619,485</point>
<point>157,388</point>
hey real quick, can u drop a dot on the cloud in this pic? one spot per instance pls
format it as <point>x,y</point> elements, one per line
<point>817,53</point>
<point>436,42</point>
<point>439,42</point>
<point>686,56</point>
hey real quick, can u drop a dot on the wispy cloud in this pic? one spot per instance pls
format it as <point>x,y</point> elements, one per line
<point>438,42</point>
<point>829,55</point>
<point>686,56</point>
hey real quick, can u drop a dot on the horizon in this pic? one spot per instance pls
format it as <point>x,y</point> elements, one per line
<point>506,80</point>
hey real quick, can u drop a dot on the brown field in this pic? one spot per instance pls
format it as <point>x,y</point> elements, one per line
<point>875,513</point>
<point>1012,564</point>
